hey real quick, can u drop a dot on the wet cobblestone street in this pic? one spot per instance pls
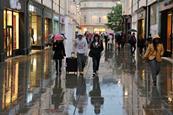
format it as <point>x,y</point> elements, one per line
<point>30,86</point>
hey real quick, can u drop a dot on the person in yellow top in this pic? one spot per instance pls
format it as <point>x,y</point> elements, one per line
<point>153,54</point>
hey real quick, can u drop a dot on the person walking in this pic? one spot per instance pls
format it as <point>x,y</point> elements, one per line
<point>106,38</point>
<point>81,46</point>
<point>141,45</point>
<point>96,48</point>
<point>59,52</point>
<point>153,54</point>
<point>133,43</point>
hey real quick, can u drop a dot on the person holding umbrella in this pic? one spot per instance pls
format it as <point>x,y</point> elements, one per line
<point>59,51</point>
<point>133,43</point>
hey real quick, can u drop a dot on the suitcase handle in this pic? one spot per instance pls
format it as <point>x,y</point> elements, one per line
<point>72,54</point>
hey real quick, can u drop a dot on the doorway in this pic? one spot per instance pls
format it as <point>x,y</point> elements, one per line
<point>9,41</point>
<point>169,33</point>
<point>141,29</point>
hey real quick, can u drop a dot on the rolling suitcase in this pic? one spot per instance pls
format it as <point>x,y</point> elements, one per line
<point>71,64</point>
<point>71,81</point>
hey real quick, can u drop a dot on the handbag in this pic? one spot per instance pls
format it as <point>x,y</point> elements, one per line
<point>90,53</point>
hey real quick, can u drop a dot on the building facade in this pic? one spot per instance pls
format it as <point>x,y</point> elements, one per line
<point>28,24</point>
<point>94,14</point>
<point>12,31</point>
<point>72,21</point>
<point>150,17</point>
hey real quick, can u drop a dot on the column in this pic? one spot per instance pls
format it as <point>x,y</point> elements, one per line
<point>1,32</point>
<point>26,41</point>
<point>42,26</point>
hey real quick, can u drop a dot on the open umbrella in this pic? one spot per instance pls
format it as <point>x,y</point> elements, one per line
<point>58,37</point>
<point>132,30</point>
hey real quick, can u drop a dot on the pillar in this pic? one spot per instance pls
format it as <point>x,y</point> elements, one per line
<point>1,32</point>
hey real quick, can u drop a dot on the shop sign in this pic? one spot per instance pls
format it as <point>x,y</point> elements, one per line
<point>56,18</point>
<point>141,15</point>
<point>168,2</point>
<point>166,5</point>
<point>15,4</point>
<point>48,13</point>
<point>62,20</point>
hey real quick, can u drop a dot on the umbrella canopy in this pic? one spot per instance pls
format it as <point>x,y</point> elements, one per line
<point>132,30</point>
<point>58,37</point>
<point>118,33</point>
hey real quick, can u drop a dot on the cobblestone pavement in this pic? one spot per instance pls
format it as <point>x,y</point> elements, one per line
<point>29,86</point>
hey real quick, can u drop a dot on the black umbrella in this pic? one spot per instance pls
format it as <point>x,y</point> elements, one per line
<point>132,30</point>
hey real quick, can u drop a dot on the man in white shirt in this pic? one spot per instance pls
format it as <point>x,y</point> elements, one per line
<point>81,49</point>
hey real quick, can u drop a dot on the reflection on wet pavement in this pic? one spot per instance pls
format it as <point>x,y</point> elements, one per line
<point>29,86</point>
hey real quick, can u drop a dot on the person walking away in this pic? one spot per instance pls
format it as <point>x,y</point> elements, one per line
<point>153,54</point>
<point>81,46</point>
<point>133,43</point>
<point>96,48</point>
<point>59,52</point>
<point>123,39</point>
<point>118,40</point>
<point>106,40</point>
<point>141,45</point>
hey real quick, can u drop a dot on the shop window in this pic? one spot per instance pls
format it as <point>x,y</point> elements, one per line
<point>15,30</point>
<point>9,18</point>
<point>11,31</point>
<point>94,19</point>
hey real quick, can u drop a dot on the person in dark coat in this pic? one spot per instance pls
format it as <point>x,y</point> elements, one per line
<point>96,48</point>
<point>133,43</point>
<point>58,47</point>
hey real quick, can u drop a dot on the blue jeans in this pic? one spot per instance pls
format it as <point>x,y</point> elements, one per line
<point>155,69</point>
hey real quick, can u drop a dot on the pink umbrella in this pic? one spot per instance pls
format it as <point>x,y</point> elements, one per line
<point>58,37</point>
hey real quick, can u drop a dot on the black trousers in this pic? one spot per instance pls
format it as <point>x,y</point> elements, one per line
<point>58,65</point>
<point>133,48</point>
<point>96,63</point>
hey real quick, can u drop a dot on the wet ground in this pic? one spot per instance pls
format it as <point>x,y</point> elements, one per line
<point>30,86</point>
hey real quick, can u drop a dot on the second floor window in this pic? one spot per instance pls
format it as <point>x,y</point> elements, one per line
<point>100,19</point>
<point>85,19</point>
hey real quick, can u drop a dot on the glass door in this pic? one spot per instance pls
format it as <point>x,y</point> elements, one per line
<point>9,41</point>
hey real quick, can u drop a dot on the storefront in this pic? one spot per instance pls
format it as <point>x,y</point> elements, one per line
<point>47,25</point>
<point>11,32</point>
<point>13,13</point>
<point>141,23</point>
<point>167,27</point>
<point>55,24</point>
<point>35,20</point>
<point>99,30</point>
